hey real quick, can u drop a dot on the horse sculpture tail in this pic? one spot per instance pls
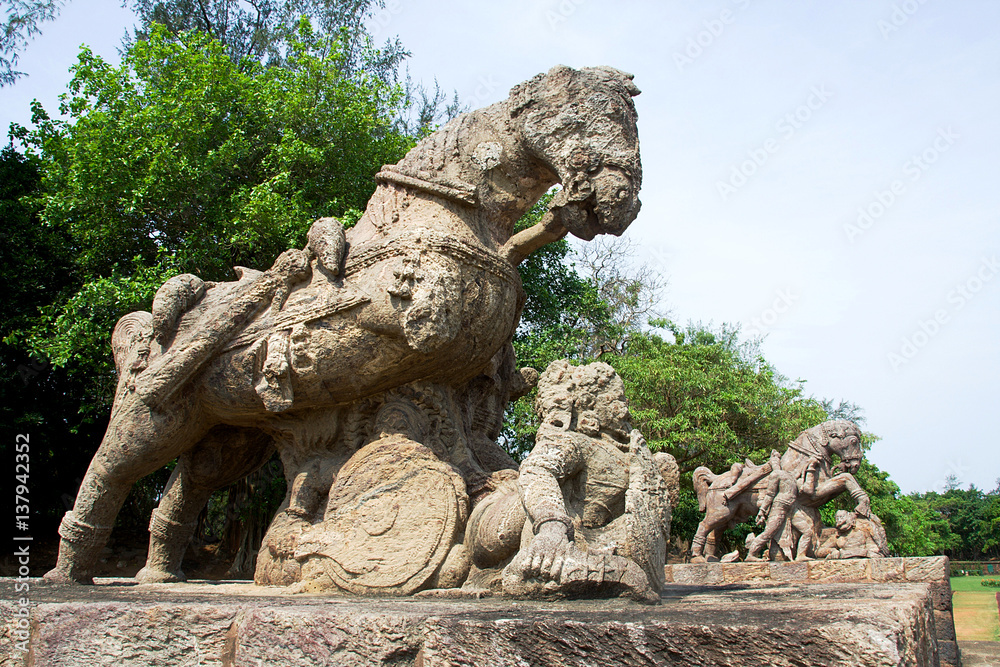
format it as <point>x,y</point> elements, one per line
<point>702,478</point>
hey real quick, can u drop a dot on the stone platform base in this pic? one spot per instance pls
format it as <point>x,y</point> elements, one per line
<point>236,624</point>
<point>933,571</point>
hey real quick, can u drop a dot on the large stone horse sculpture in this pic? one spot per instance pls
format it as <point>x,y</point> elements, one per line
<point>791,488</point>
<point>377,362</point>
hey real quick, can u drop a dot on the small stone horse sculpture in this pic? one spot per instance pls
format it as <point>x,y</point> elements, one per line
<point>807,465</point>
<point>392,332</point>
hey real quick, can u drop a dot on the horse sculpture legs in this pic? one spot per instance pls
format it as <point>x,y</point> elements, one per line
<point>138,441</point>
<point>223,457</point>
<point>838,484</point>
<point>705,538</point>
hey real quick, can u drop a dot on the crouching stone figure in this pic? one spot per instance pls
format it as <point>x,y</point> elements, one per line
<point>589,513</point>
<point>854,537</point>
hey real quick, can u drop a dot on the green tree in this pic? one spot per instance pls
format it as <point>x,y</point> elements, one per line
<point>912,528</point>
<point>709,399</point>
<point>179,161</point>
<point>972,517</point>
<point>36,262</point>
<point>262,31</point>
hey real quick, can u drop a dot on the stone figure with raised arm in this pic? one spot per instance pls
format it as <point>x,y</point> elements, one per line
<point>780,512</point>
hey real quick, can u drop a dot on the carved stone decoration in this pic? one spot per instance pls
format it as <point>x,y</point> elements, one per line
<point>853,537</point>
<point>594,511</point>
<point>783,495</point>
<point>390,521</point>
<point>373,359</point>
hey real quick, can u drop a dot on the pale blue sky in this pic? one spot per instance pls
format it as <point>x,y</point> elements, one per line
<point>842,104</point>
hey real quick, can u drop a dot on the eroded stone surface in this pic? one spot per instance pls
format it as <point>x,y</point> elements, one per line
<point>887,572</point>
<point>213,624</point>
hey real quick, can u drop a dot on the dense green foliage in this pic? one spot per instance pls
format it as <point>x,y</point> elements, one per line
<point>709,400</point>
<point>261,31</point>
<point>179,161</point>
<point>969,520</point>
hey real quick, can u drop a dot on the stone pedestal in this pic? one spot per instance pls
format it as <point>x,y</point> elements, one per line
<point>236,624</point>
<point>933,571</point>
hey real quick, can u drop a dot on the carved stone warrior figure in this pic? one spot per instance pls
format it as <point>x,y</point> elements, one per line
<point>784,494</point>
<point>377,361</point>
<point>854,537</point>
<point>589,513</point>
<point>781,514</point>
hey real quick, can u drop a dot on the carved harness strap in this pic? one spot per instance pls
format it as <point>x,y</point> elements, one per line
<point>817,448</point>
<point>442,186</point>
<point>411,241</point>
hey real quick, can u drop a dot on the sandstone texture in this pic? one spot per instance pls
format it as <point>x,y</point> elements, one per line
<point>931,571</point>
<point>590,513</point>
<point>121,624</point>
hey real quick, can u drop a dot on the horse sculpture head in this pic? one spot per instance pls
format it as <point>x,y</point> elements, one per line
<point>581,124</point>
<point>843,438</point>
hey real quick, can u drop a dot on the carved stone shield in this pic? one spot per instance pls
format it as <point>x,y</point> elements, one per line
<point>391,519</point>
<point>647,515</point>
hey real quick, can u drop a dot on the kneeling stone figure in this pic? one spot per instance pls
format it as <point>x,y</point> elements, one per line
<point>589,514</point>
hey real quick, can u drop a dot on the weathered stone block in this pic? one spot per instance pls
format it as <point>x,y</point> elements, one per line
<point>934,568</point>
<point>944,623</point>
<point>839,570</point>
<point>949,654</point>
<point>887,569</point>
<point>789,572</point>
<point>714,575</point>
<point>197,624</point>
<point>941,595</point>
<point>738,573</point>
<point>689,574</point>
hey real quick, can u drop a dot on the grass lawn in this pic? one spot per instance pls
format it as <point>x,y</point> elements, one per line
<point>976,616</point>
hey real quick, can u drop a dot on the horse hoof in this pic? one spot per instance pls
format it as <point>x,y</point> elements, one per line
<point>151,576</point>
<point>61,577</point>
